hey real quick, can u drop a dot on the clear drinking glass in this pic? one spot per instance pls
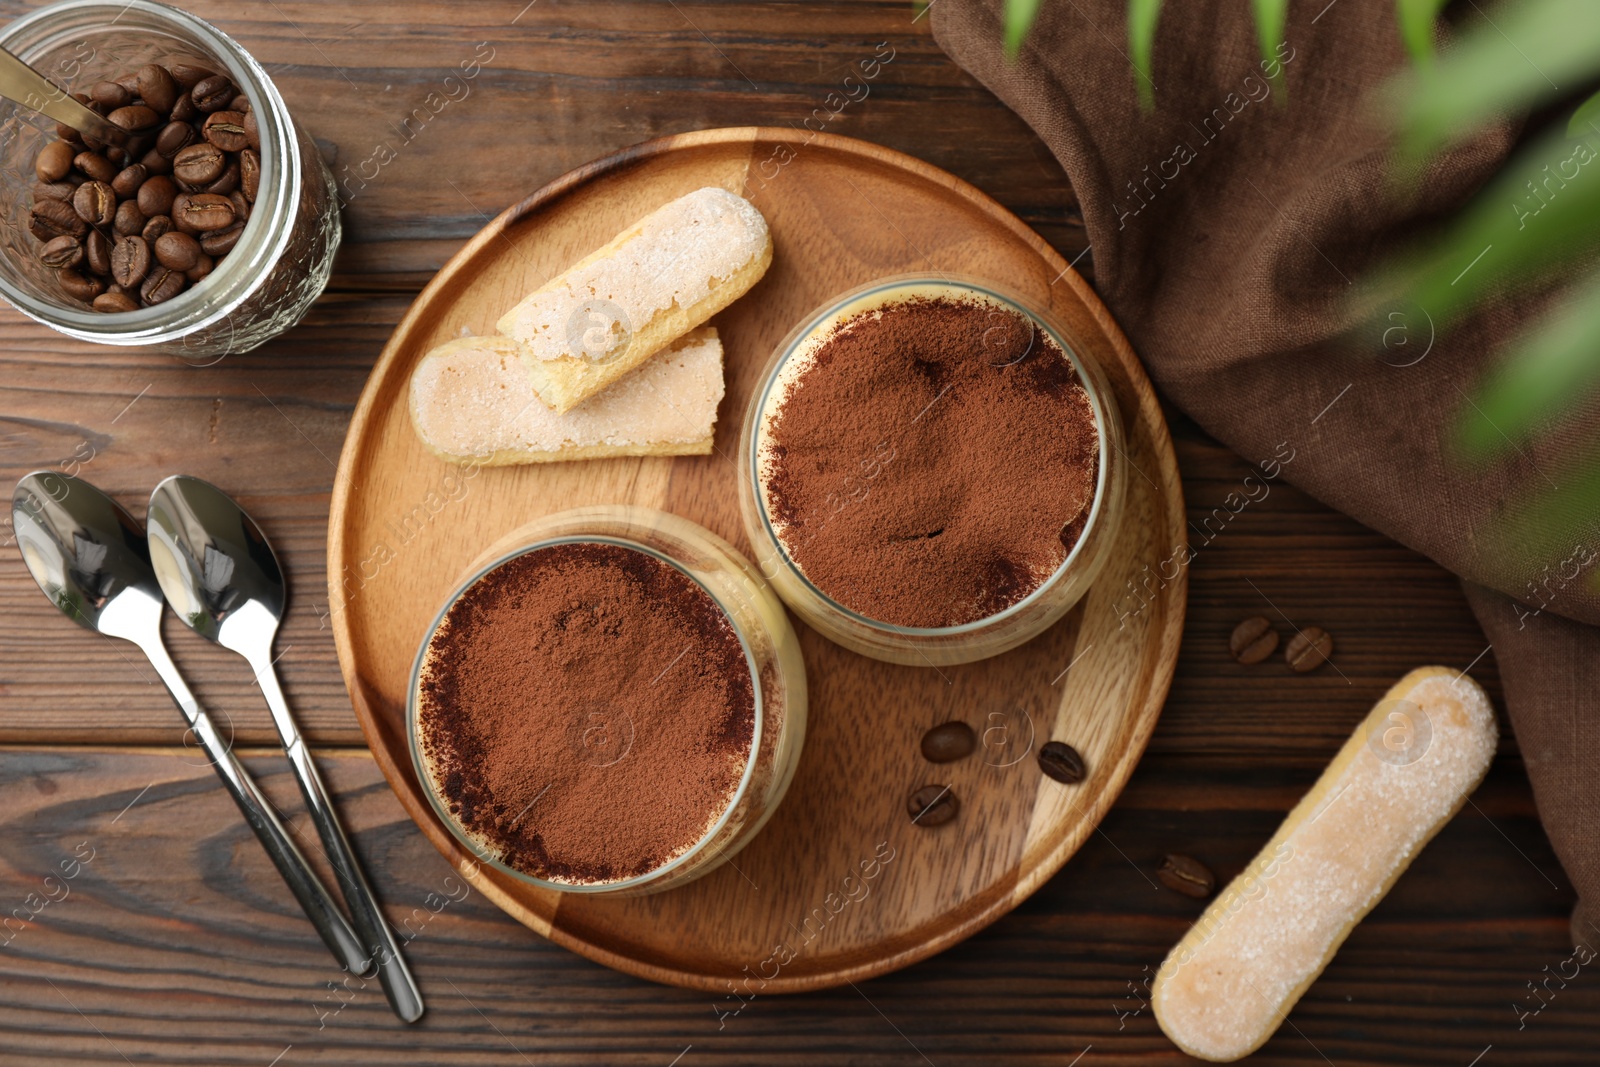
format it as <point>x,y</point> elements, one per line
<point>772,653</point>
<point>285,253</point>
<point>930,646</point>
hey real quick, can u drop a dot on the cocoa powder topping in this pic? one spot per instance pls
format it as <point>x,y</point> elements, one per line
<point>587,712</point>
<point>933,461</point>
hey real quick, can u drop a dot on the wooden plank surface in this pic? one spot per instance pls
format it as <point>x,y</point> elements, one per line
<point>176,943</point>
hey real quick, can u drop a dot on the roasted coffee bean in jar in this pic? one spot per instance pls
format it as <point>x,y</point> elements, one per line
<point>151,216</point>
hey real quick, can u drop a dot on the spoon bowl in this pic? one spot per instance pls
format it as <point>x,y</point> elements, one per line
<point>215,566</point>
<point>87,555</point>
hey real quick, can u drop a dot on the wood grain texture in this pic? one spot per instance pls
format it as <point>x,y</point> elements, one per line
<point>407,528</point>
<point>149,950</point>
<point>177,944</point>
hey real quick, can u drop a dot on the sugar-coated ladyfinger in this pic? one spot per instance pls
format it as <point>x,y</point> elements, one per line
<point>1408,768</point>
<point>471,402</point>
<point>657,280</point>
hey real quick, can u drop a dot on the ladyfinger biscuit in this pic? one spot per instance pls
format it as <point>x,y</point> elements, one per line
<point>471,402</point>
<point>657,280</point>
<point>1408,768</point>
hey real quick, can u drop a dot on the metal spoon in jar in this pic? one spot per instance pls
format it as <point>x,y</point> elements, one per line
<point>91,559</point>
<point>34,91</point>
<point>222,578</point>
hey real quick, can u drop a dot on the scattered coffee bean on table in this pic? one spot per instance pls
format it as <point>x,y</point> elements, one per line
<point>1253,640</point>
<point>131,225</point>
<point>1186,875</point>
<point>1308,649</point>
<point>948,742</point>
<point>1061,761</point>
<point>933,805</point>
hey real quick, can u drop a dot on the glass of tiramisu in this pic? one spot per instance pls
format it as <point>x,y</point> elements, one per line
<point>932,471</point>
<point>612,702</point>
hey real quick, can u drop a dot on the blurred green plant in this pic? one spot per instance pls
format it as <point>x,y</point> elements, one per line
<point>1537,219</point>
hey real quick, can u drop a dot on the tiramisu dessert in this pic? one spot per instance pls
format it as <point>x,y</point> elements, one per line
<point>586,711</point>
<point>927,456</point>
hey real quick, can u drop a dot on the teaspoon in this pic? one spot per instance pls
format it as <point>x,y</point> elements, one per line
<point>92,560</point>
<point>20,82</point>
<point>222,578</point>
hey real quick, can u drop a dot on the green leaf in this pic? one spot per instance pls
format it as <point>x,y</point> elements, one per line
<point>1270,18</point>
<point>1142,18</point>
<point>1019,20</point>
<point>1544,373</point>
<point>1585,122</point>
<point>1539,212</point>
<point>1416,18</point>
<point>1513,60</point>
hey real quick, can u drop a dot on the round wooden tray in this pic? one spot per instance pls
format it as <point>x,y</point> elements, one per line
<point>795,910</point>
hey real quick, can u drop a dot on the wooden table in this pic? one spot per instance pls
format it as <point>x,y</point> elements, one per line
<point>174,941</point>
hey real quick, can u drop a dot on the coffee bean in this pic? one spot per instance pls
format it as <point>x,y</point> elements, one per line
<point>116,156</point>
<point>199,163</point>
<point>226,182</point>
<point>61,252</point>
<point>54,190</point>
<point>240,103</point>
<point>135,117</point>
<point>126,183</point>
<point>213,93</point>
<point>202,267</point>
<point>115,302</point>
<point>1253,640</point>
<point>241,206</point>
<point>948,741</point>
<point>96,166</point>
<point>1308,649</point>
<point>130,220</point>
<point>130,261</point>
<point>221,242</point>
<point>110,96</point>
<point>933,805</point>
<point>250,173</point>
<point>1186,875</point>
<point>205,212</point>
<point>252,130</point>
<point>97,252</point>
<point>130,82</point>
<point>155,162</point>
<point>78,287</point>
<point>157,87</point>
<point>174,138</point>
<point>54,161</point>
<point>1061,761</point>
<point>52,218</point>
<point>156,195</point>
<point>95,203</point>
<point>156,228</point>
<point>162,285</point>
<point>178,251</point>
<point>225,129</point>
<point>188,75</point>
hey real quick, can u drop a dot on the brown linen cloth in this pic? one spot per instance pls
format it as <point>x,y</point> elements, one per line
<point>1228,231</point>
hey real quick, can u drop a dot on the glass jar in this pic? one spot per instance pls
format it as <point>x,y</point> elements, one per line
<point>929,646</point>
<point>771,651</point>
<point>285,253</point>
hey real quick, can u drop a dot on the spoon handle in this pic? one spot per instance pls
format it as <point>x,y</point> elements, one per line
<point>398,984</point>
<point>286,855</point>
<point>33,90</point>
